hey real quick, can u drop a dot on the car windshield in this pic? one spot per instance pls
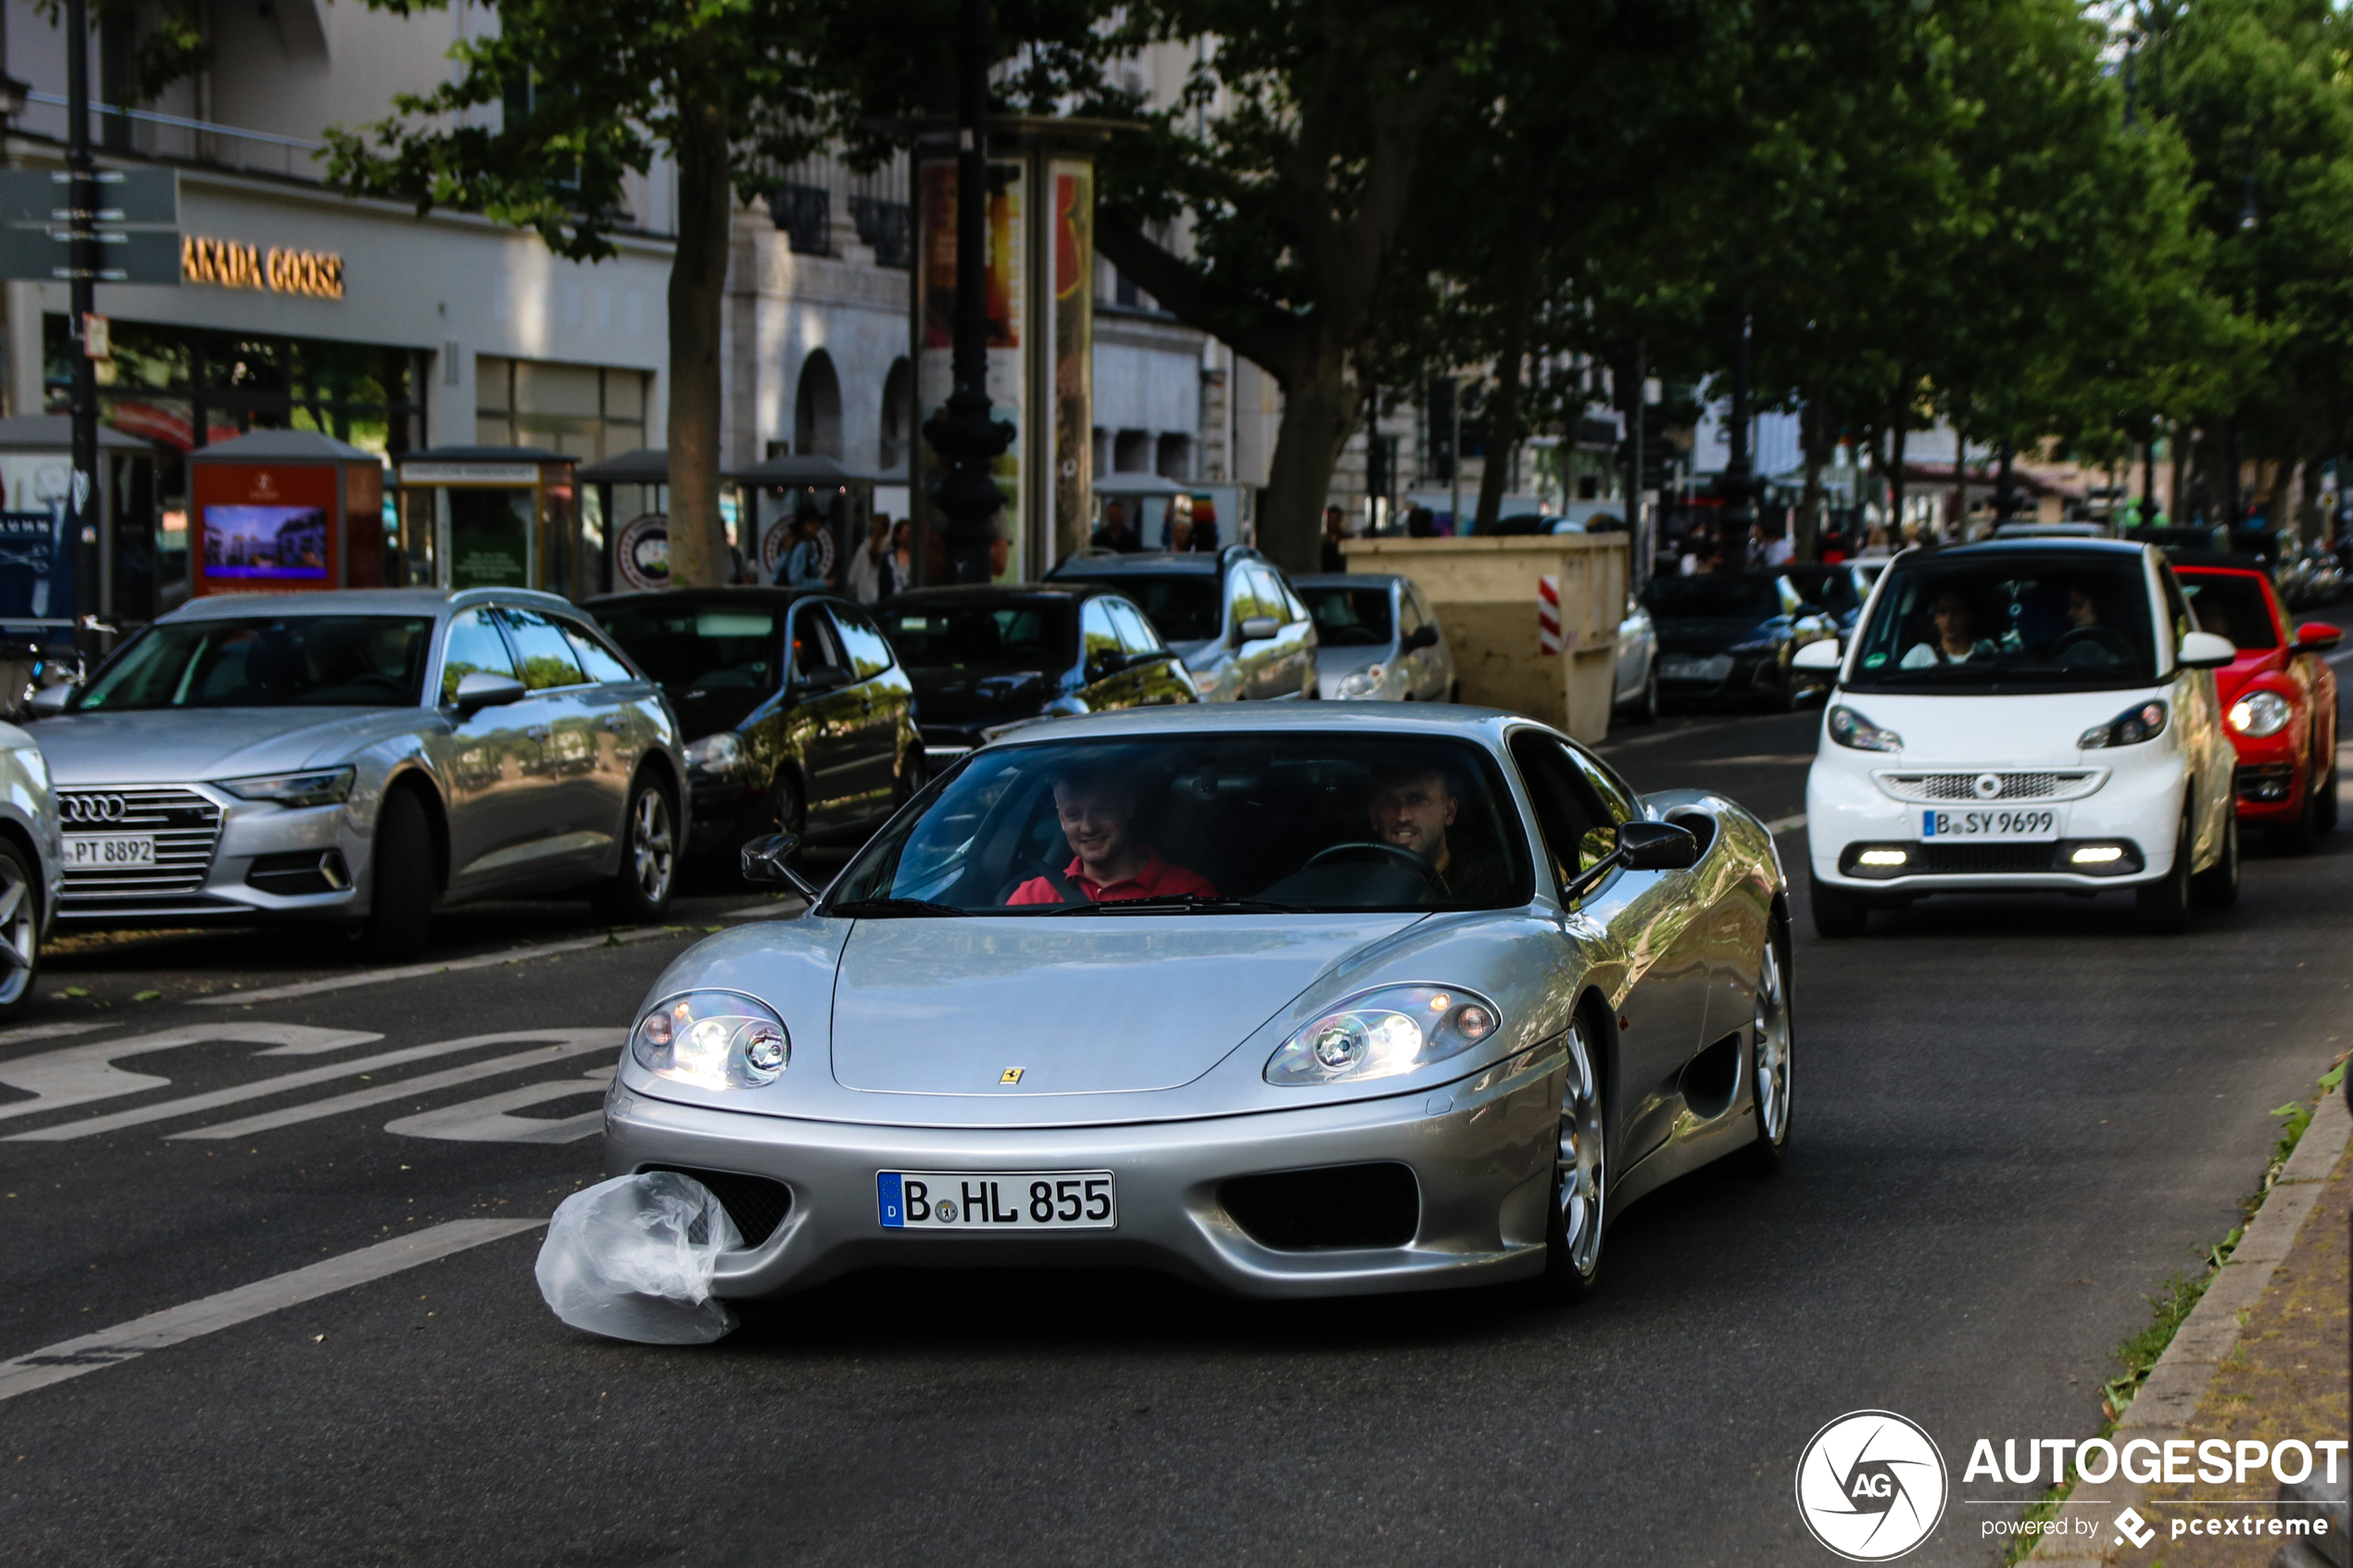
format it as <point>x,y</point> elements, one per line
<point>704,647</point>
<point>1349,617</point>
<point>2232,605</point>
<point>1832,587</point>
<point>2050,621</point>
<point>269,661</point>
<point>1301,822</point>
<point>1708,596</point>
<point>1032,636</point>
<point>1183,605</point>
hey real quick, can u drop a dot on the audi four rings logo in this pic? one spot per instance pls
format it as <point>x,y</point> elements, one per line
<point>1871,1486</point>
<point>90,809</point>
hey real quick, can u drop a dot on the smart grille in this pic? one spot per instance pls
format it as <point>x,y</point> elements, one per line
<point>2013,786</point>
<point>185,826</point>
<point>1376,1205</point>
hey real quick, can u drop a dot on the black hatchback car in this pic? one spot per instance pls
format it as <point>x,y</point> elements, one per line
<point>1732,635</point>
<point>796,713</point>
<point>986,657</point>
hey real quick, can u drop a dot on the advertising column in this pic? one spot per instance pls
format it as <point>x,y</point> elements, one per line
<point>1068,462</point>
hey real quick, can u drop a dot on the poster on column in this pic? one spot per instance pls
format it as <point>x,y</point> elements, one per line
<point>36,566</point>
<point>1073,356</point>
<point>1006,280</point>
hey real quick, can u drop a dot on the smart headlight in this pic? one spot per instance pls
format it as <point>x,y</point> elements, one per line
<point>2260,713</point>
<point>714,1040</point>
<point>2141,721</point>
<point>1383,1032</point>
<point>1850,728</point>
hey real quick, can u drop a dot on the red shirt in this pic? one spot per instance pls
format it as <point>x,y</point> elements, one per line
<point>1158,879</point>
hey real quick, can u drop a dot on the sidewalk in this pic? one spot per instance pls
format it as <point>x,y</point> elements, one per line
<point>2264,1355</point>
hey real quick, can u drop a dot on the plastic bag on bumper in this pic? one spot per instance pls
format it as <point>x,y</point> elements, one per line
<point>631,1259</point>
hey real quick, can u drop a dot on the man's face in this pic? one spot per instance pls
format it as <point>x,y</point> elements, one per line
<point>1952,619</point>
<point>2081,610</point>
<point>1094,819</point>
<point>1414,813</point>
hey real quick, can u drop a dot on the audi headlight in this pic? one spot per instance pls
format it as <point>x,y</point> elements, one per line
<point>325,787</point>
<point>1362,683</point>
<point>2142,722</point>
<point>2260,713</point>
<point>1850,728</point>
<point>715,756</point>
<point>1383,1032</point>
<point>712,1039</point>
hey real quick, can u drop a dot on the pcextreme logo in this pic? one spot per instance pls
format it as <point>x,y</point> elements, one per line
<point>1871,1486</point>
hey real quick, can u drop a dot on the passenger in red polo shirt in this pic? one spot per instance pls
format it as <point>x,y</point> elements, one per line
<point>1097,809</point>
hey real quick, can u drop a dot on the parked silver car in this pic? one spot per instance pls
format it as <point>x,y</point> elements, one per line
<point>32,866</point>
<point>363,757</point>
<point>1295,1001</point>
<point>1376,640</point>
<point>1231,615</point>
<point>1635,691</point>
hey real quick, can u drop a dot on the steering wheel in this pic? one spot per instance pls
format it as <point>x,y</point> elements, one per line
<point>2105,639</point>
<point>1397,852</point>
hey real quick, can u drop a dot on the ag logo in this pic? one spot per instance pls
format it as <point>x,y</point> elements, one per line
<point>1870,1485</point>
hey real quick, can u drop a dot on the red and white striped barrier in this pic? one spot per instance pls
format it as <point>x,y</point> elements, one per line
<point>1548,615</point>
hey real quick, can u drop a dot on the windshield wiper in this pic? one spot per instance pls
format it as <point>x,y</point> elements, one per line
<point>1184,903</point>
<point>884,908</point>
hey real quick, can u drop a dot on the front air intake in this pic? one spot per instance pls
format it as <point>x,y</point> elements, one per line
<point>756,1204</point>
<point>1339,1206</point>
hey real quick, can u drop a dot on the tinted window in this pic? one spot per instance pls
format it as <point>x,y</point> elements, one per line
<point>1034,635</point>
<point>1349,618</point>
<point>2041,620</point>
<point>1272,600</point>
<point>1135,634</point>
<point>1182,604</point>
<point>597,659</point>
<point>1832,587</point>
<point>1101,640</point>
<point>475,648</point>
<point>697,646</point>
<point>548,659</point>
<point>1715,596</point>
<point>1577,830</point>
<point>269,661</point>
<point>2232,606</point>
<point>869,655</point>
<point>813,648</point>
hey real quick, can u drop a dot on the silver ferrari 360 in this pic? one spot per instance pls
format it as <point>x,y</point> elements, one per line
<point>1293,1002</point>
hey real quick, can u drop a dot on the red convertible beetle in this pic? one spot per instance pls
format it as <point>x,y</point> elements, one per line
<point>2278,697</point>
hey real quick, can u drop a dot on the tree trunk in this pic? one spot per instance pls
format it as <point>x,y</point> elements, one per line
<point>1320,403</point>
<point>698,290</point>
<point>1813,421</point>
<point>1899,420</point>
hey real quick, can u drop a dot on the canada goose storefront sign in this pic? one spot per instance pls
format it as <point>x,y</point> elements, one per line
<point>231,264</point>
<point>1871,1486</point>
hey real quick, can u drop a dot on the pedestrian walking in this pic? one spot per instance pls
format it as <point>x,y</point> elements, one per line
<point>869,563</point>
<point>803,565</point>
<point>1335,539</point>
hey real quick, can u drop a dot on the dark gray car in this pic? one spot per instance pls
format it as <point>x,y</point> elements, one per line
<point>362,755</point>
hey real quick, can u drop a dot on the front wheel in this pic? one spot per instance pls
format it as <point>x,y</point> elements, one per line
<point>2325,818</point>
<point>1580,1176</point>
<point>403,885</point>
<point>2217,887</point>
<point>20,929</point>
<point>1771,1035</point>
<point>638,893</point>
<point>2164,907</point>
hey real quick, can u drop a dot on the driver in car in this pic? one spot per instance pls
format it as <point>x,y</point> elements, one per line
<point>1412,806</point>
<point>1955,640</point>
<point>1096,806</point>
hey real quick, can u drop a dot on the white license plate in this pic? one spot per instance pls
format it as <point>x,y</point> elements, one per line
<point>996,1201</point>
<point>2025,825</point>
<point>100,850</point>
<point>1683,667</point>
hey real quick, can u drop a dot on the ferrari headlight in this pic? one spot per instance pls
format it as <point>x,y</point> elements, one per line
<point>1362,683</point>
<point>320,787</point>
<point>2142,722</point>
<point>1850,728</point>
<point>715,756</point>
<point>712,1039</point>
<point>2260,713</point>
<point>1381,1033</point>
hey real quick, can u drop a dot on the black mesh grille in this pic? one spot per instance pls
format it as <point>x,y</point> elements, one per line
<point>1339,1206</point>
<point>756,1204</point>
<point>1955,859</point>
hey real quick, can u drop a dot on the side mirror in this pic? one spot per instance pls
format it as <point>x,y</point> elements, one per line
<point>2313,636</point>
<point>1104,666</point>
<point>50,701</point>
<point>1422,637</point>
<point>824,678</point>
<point>1820,656</point>
<point>2204,650</point>
<point>1258,628</point>
<point>769,859</point>
<point>481,690</point>
<point>1641,847</point>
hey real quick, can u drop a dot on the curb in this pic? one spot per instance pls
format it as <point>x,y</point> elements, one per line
<point>2177,1385</point>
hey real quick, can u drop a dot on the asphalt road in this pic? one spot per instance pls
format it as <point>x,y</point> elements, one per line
<point>2014,1121</point>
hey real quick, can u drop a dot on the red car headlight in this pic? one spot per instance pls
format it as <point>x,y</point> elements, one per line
<point>2258,714</point>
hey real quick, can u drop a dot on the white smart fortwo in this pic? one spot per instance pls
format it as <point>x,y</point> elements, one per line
<point>2022,716</point>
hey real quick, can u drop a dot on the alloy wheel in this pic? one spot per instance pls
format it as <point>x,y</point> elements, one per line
<point>18,934</point>
<point>1579,1171</point>
<point>1771,1033</point>
<point>654,856</point>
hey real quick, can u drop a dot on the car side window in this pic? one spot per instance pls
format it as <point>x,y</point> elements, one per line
<point>813,648</point>
<point>1272,600</point>
<point>475,647</point>
<point>1099,638</point>
<point>869,653</point>
<point>1616,797</point>
<point>1241,597</point>
<point>1575,831</point>
<point>1409,614</point>
<point>597,657</point>
<point>1135,634</point>
<point>547,656</point>
<point>2177,608</point>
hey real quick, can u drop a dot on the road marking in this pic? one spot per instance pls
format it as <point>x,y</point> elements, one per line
<point>1786,824</point>
<point>420,970</point>
<point>575,1042</point>
<point>48,1031</point>
<point>79,1074</point>
<point>486,1120</point>
<point>175,1325</point>
<point>189,1104</point>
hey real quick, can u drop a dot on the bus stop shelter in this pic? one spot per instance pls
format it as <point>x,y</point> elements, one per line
<point>493,517</point>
